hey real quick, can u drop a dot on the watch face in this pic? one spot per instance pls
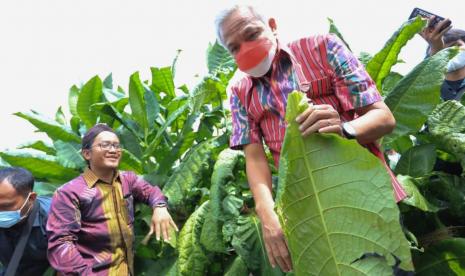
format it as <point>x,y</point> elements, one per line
<point>349,131</point>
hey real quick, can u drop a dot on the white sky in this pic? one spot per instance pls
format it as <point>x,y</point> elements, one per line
<point>47,46</point>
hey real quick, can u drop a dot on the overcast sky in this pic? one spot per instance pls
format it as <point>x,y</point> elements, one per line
<point>47,46</point>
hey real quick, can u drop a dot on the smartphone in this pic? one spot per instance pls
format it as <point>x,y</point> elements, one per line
<point>423,13</point>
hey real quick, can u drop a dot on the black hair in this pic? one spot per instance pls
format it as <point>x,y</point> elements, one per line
<point>20,178</point>
<point>93,132</point>
<point>453,35</point>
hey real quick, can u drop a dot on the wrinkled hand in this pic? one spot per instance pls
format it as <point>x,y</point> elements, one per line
<point>434,36</point>
<point>275,243</point>
<point>161,223</point>
<point>319,118</point>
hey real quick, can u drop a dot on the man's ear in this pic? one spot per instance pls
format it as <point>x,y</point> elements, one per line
<point>86,154</point>
<point>272,24</point>
<point>33,196</point>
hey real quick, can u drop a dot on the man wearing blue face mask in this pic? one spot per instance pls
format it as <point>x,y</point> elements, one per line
<point>23,217</point>
<point>439,38</point>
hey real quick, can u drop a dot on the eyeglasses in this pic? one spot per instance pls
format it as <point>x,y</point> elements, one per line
<point>108,146</point>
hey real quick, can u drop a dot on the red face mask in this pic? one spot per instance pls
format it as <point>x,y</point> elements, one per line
<point>255,57</point>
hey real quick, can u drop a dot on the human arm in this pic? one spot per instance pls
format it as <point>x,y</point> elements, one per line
<point>434,35</point>
<point>153,196</point>
<point>259,178</point>
<point>63,226</point>
<point>356,93</point>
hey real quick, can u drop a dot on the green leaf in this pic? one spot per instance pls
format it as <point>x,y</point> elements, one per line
<point>334,30</point>
<point>192,257</point>
<point>156,141</point>
<point>45,189</point>
<point>415,198</point>
<point>390,82</point>
<point>53,129</point>
<point>232,205</point>
<point>69,156</point>
<point>237,268</point>
<point>447,127</point>
<point>416,95</point>
<point>137,100</point>
<point>448,190</point>
<point>208,91</point>
<point>380,65</point>
<point>417,161</point>
<point>335,202</point>
<point>249,245</point>
<point>42,166</point>
<point>90,94</point>
<point>108,81</point>
<point>447,257</point>
<point>60,116</point>
<point>39,145</point>
<point>130,162</point>
<point>152,107</point>
<point>162,81</point>
<point>73,99</point>
<point>189,173</point>
<point>219,59</point>
<point>364,58</point>
<point>212,237</point>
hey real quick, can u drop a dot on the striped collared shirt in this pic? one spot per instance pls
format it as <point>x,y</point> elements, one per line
<point>320,66</point>
<point>90,225</point>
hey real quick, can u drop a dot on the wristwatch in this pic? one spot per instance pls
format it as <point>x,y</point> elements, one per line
<point>160,205</point>
<point>348,131</point>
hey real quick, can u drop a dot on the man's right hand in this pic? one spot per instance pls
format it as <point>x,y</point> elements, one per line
<point>434,35</point>
<point>275,242</point>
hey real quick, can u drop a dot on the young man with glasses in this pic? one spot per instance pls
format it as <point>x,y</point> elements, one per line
<point>90,226</point>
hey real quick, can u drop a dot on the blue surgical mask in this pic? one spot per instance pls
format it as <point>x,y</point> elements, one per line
<point>10,218</point>
<point>457,62</point>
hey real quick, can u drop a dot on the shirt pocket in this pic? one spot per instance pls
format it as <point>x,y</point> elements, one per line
<point>318,88</point>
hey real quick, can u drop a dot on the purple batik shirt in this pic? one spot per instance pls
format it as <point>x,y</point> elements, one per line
<point>90,225</point>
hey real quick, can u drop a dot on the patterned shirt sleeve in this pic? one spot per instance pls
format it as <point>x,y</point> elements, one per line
<point>354,87</point>
<point>244,129</point>
<point>144,191</point>
<point>63,225</point>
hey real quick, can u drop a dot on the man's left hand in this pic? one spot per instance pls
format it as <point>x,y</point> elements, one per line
<point>319,118</point>
<point>161,223</point>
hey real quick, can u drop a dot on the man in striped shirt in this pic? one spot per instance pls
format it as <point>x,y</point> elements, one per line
<point>90,226</point>
<point>345,99</point>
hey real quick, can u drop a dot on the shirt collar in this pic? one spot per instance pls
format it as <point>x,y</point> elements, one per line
<point>92,179</point>
<point>283,49</point>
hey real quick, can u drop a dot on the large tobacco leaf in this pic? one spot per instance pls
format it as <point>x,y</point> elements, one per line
<point>192,256</point>
<point>380,65</point>
<point>417,94</point>
<point>189,173</point>
<point>417,161</point>
<point>90,94</point>
<point>42,166</point>
<point>336,204</point>
<point>446,124</point>
<point>212,236</point>
<point>53,129</point>
<point>249,245</point>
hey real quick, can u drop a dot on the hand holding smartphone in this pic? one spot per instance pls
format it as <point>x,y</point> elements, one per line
<point>435,18</point>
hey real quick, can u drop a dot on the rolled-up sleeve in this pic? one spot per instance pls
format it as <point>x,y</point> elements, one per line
<point>244,129</point>
<point>144,192</point>
<point>63,226</point>
<point>353,86</point>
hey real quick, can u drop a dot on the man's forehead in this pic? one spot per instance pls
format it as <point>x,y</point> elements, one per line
<point>7,190</point>
<point>237,21</point>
